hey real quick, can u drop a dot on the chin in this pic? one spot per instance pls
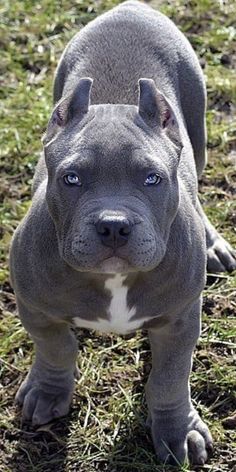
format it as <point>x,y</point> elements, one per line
<point>114,265</point>
<point>111,265</point>
<point>118,265</point>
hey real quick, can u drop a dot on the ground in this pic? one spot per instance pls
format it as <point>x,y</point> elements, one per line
<point>105,430</point>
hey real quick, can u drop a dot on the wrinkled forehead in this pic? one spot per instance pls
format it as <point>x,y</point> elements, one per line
<point>110,126</point>
<point>111,136</point>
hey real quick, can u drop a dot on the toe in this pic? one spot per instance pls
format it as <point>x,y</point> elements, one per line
<point>62,407</point>
<point>213,262</point>
<point>196,448</point>
<point>204,431</point>
<point>43,409</point>
<point>30,401</point>
<point>22,392</point>
<point>171,453</point>
<point>226,257</point>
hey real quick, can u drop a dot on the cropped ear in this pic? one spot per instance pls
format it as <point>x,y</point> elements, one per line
<point>75,104</point>
<point>155,109</point>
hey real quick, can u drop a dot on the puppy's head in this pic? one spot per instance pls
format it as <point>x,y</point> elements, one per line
<point>112,179</point>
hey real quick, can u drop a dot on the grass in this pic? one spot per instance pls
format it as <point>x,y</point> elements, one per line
<point>105,430</point>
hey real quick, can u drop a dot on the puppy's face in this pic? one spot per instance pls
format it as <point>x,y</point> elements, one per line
<point>112,188</point>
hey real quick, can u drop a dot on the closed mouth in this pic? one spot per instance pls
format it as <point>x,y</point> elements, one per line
<point>113,265</point>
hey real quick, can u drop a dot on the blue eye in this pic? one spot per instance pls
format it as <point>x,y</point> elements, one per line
<point>152,179</point>
<point>72,179</point>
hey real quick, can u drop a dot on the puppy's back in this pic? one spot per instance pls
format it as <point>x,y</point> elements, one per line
<point>119,47</point>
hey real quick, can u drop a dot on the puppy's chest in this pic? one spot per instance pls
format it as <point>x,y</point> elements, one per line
<point>118,317</point>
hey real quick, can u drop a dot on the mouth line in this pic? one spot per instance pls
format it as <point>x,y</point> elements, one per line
<point>113,265</point>
<point>114,256</point>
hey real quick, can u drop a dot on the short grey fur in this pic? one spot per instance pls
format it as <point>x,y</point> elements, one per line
<point>108,250</point>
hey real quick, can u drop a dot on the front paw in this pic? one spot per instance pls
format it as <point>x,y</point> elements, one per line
<point>178,437</point>
<point>40,403</point>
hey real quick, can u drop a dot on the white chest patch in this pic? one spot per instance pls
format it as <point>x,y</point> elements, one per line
<point>118,314</point>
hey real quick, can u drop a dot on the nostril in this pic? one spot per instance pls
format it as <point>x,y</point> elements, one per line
<point>124,231</point>
<point>105,231</point>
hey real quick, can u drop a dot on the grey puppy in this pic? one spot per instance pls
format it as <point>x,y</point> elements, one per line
<point>115,239</point>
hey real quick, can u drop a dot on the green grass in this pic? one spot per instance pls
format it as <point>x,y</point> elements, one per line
<point>105,430</point>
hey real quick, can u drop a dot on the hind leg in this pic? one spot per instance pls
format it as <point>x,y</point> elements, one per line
<point>220,255</point>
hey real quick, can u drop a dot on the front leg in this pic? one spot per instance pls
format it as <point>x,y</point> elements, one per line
<point>47,390</point>
<point>177,430</point>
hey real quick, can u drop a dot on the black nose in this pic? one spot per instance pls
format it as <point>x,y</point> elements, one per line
<point>114,231</point>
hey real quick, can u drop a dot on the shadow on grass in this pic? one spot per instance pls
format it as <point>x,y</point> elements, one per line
<point>44,450</point>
